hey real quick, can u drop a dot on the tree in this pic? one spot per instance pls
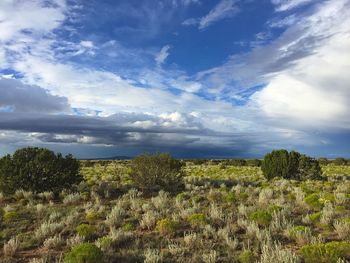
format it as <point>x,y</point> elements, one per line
<point>309,168</point>
<point>275,164</point>
<point>38,170</point>
<point>293,165</point>
<point>156,172</point>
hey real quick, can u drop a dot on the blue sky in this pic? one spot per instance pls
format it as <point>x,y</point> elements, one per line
<point>223,78</point>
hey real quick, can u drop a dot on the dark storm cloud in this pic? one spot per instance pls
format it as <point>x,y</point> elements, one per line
<point>20,97</point>
<point>119,130</point>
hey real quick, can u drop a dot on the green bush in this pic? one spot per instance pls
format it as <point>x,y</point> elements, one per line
<point>290,165</point>
<point>84,253</point>
<point>293,233</point>
<point>91,216</point>
<point>315,217</point>
<point>10,215</point>
<point>230,197</point>
<point>261,217</point>
<point>85,230</point>
<point>38,170</point>
<point>313,200</point>
<point>247,257</point>
<point>104,243</point>
<point>128,227</point>
<point>167,226</point>
<point>156,172</point>
<point>197,219</point>
<point>325,253</point>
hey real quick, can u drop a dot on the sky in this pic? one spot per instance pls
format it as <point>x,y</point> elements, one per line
<point>196,78</point>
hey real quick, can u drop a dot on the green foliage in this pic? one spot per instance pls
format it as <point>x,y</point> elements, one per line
<point>247,257</point>
<point>275,164</point>
<point>91,216</point>
<point>254,162</point>
<point>197,219</point>
<point>10,215</point>
<point>85,230</point>
<point>293,165</point>
<point>274,208</point>
<point>128,227</point>
<point>84,253</point>
<point>230,197</point>
<point>167,226</point>
<point>313,200</point>
<point>156,172</point>
<point>293,233</point>
<point>235,162</point>
<point>325,253</point>
<point>315,217</point>
<point>309,168</point>
<point>38,170</point>
<point>104,243</point>
<point>261,217</point>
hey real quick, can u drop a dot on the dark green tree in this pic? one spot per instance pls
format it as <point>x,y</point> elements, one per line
<point>275,164</point>
<point>293,165</point>
<point>309,168</point>
<point>155,172</point>
<point>38,170</point>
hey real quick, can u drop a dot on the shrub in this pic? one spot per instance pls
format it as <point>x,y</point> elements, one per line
<point>104,243</point>
<point>325,253</point>
<point>290,165</point>
<point>301,234</point>
<point>275,164</point>
<point>197,220</point>
<point>84,253</point>
<point>54,242</point>
<point>91,216</point>
<point>261,217</point>
<point>11,247</point>
<point>246,257</point>
<point>342,227</point>
<point>38,170</point>
<point>156,172</point>
<point>230,197</point>
<point>315,217</point>
<point>313,200</point>
<point>128,227</point>
<point>85,230</point>
<point>167,226</point>
<point>10,215</point>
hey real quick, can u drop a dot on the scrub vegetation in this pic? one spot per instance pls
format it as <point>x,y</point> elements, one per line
<point>287,207</point>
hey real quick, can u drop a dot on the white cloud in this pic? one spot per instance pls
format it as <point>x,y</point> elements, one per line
<point>190,21</point>
<point>29,17</point>
<point>314,91</point>
<point>285,22</point>
<point>224,9</point>
<point>162,55</point>
<point>87,44</point>
<point>286,5</point>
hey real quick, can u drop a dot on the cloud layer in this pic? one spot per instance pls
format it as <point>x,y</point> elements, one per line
<point>287,86</point>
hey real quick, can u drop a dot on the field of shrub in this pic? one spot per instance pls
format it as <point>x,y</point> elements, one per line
<point>223,213</point>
